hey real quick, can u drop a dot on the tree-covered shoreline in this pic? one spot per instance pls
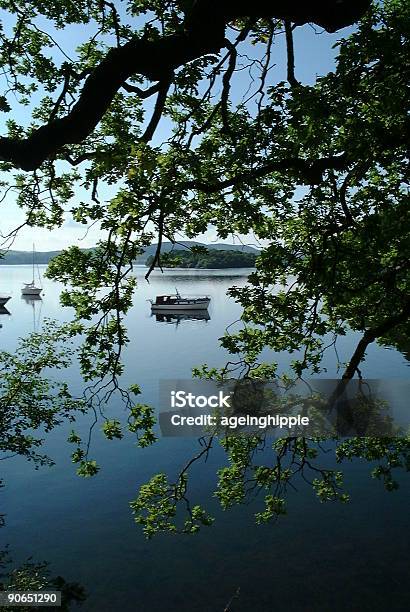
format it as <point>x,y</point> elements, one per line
<point>12,257</point>
<point>209,260</point>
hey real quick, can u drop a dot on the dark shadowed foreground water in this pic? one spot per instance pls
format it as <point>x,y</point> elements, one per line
<point>320,557</point>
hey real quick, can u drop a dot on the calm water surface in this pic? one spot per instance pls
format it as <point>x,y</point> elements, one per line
<point>320,557</point>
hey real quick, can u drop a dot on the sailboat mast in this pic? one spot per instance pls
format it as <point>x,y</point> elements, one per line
<point>33,263</point>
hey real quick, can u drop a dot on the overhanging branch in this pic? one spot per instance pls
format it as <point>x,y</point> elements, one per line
<point>158,110</point>
<point>370,335</point>
<point>310,171</point>
<point>203,34</point>
<point>292,80</point>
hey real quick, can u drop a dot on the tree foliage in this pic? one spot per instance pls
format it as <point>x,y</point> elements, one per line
<point>144,120</point>
<point>32,403</point>
<point>210,259</point>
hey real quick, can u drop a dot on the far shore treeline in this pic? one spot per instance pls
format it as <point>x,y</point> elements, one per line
<point>206,259</point>
<point>193,254</point>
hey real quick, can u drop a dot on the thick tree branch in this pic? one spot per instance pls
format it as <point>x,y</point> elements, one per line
<point>292,80</point>
<point>62,96</point>
<point>141,93</point>
<point>226,87</point>
<point>370,335</point>
<point>203,34</point>
<point>310,171</point>
<point>158,110</point>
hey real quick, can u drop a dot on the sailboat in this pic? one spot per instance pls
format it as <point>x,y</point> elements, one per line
<point>31,288</point>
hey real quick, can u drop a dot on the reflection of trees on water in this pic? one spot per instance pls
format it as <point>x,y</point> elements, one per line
<point>401,342</point>
<point>256,465</point>
<point>35,576</point>
<point>30,402</point>
<point>259,465</point>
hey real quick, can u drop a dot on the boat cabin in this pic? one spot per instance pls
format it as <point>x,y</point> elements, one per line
<point>168,300</point>
<point>179,302</point>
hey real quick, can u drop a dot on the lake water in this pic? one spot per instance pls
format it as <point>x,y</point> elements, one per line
<point>320,557</point>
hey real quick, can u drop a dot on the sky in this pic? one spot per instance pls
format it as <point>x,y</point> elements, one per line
<point>314,56</point>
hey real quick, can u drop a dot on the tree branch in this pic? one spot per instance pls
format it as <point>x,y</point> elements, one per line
<point>370,335</point>
<point>292,80</point>
<point>158,110</point>
<point>226,86</point>
<point>203,34</point>
<point>310,171</point>
<point>142,93</point>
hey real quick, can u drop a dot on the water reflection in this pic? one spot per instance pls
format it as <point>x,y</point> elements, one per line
<point>89,525</point>
<point>399,340</point>
<point>4,311</point>
<point>311,408</point>
<point>36,303</point>
<point>176,317</point>
<point>35,576</point>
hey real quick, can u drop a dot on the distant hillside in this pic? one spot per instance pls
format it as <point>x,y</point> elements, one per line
<point>43,257</point>
<point>211,260</point>
<point>26,257</point>
<point>185,245</point>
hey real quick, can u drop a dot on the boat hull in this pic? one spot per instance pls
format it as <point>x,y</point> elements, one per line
<point>33,291</point>
<point>181,307</point>
<point>4,300</point>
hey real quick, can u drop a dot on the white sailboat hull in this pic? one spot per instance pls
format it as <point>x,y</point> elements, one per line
<point>31,291</point>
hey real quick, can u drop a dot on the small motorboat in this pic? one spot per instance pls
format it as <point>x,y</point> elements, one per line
<point>175,302</point>
<point>4,299</point>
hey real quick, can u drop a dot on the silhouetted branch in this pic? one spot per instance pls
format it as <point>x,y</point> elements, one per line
<point>203,34</point>
<point>292,80</point>
<point>310,171</point>
<point>158,110</point>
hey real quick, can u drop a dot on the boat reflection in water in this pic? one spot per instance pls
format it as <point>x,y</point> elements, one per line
<point>181,315</point>
<point>32,299</point>
<point>36,302</point>
<point>4,311</point>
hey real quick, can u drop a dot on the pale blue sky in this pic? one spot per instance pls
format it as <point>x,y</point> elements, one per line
<point>314,56</point>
